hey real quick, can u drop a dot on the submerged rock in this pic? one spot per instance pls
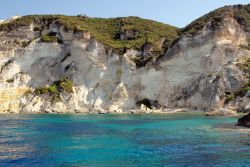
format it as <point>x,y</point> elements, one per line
<point>244,121</point>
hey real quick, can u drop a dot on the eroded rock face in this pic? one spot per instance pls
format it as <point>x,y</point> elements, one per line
<point>194,73</point>
<point>244,105</point>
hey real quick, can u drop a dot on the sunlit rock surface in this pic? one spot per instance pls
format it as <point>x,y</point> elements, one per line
<point>194,73</point>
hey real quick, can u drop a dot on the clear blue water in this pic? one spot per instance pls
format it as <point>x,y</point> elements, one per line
<point>121,140</point>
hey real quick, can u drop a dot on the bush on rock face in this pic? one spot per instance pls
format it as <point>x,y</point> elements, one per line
<point>10,80</point>
<point>39,91</point>
<point>47,38</point>
<point>56,88</point>
<point>64,85</point>
<point>25,43</point>
<point>50,37</point>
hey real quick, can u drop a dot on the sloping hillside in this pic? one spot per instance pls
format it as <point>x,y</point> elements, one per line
<point>240,12</point>
<point>117,33</point>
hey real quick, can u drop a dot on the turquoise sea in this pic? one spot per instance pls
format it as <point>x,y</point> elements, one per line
<point>121,140</point>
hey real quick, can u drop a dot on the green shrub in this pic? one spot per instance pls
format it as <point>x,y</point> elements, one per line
<point>48,38</point>
<point>56,88</point>
<point>19,22</point>
<point>247,47</point>
<point>66,85</point>
<point>10,80</point>
<point>82,15</point>
<point>242,92</point>
<point>229,96</point>
<point>38,28</point>
<point>25,43</point>
<point>42,90</point>
<point>53,89</point>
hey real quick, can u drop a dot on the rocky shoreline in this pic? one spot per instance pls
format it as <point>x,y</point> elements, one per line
<point>243,123</point>
<point>138,111</point>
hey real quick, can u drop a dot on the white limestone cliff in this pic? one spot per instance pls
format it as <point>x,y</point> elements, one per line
<point>194,74</point>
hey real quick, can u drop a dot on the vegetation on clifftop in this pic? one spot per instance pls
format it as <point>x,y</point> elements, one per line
<point>240,12</point>
<point>214,17</point>
<point>242,15</point>
<point>140,31</point>
<point>105,30</point>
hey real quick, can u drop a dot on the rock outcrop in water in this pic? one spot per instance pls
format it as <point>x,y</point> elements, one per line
<point>244,121</point>
<point>58,64</point>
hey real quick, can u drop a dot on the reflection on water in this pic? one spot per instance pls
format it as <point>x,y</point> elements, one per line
<point>121,140</point>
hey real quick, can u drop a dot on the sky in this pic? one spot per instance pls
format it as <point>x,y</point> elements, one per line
<point>174,12</point>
